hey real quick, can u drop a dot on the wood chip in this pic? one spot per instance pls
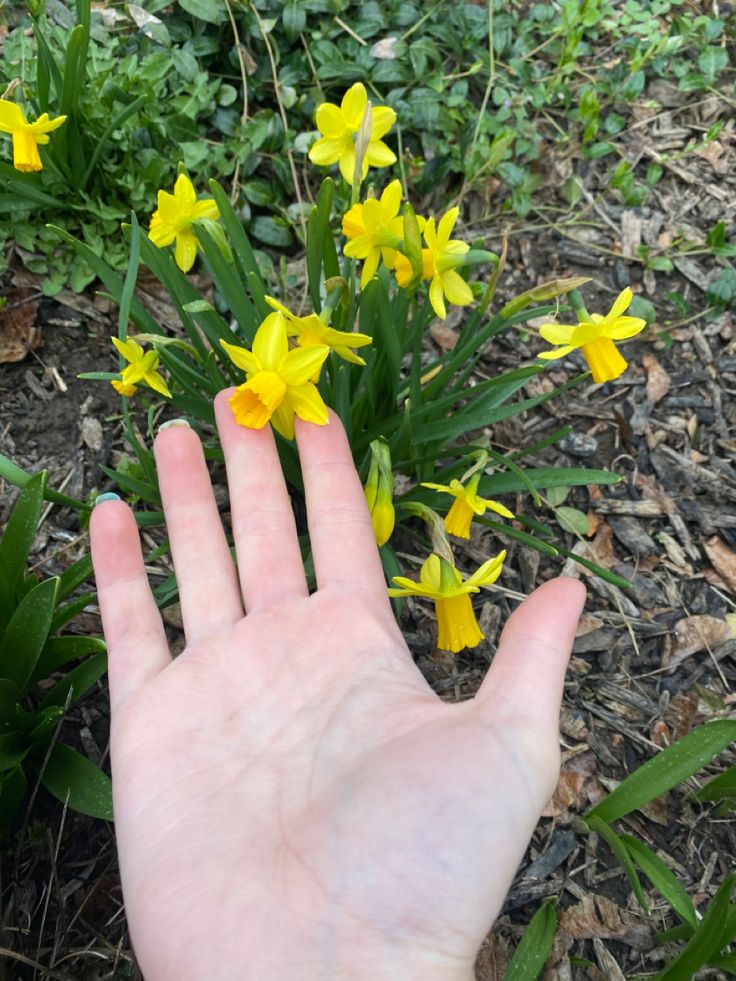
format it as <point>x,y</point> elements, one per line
<point>723,561</point>
<point>698,633</point>
<point>658,381</point>
<point>18,331</point>
<point>596,916</point>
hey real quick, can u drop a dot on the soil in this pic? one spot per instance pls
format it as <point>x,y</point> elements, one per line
<point>650,663</point>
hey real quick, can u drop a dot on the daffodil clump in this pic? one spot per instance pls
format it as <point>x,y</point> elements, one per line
<point>26,136</point>
<point>298,363</point>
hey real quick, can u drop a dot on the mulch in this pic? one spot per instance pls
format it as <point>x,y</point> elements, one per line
<point>650,663</point>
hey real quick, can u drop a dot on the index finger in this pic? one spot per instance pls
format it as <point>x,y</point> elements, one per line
<point>340,527</point>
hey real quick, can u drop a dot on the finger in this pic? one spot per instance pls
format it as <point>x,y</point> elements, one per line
<point>526,678</point>
<point>269,558</point>
<point>136,640</point>
<point>205,573</point>
<point>340,529</point>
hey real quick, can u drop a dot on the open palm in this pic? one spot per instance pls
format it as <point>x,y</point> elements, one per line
<point>291,799</point>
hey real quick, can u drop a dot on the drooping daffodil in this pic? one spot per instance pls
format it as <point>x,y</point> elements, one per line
<point>374,229</point>
<point>26,136</point>
<point>466,505</point>
<point>595,337</point>
<point>440,260</point>
<point>443,583</point>
<point>339,126</point>
<point>141,368</point>
<point>311,330</point>
<point>278,385</point>
<point>173,220</point>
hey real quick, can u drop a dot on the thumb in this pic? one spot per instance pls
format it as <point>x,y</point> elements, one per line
<point>526,678</point>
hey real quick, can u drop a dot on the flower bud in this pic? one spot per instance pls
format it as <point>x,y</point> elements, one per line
<point>379,491</point>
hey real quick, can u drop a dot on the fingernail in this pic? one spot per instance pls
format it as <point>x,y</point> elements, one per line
<point>110,496</point>
<point>172,423</point>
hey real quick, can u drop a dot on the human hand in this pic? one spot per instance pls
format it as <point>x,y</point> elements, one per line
<point>291,799</point>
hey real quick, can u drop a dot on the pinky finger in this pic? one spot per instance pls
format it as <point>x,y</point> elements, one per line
<point>135,636</point>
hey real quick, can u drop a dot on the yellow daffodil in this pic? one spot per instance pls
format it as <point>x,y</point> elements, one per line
<point>278,385</point>
<point>311,330</point>
<point>375,229</point>
<point>339,126</point>
<point>466,505</point>
<point>595,338</point>
<point>173,220</point>
<point>26,136</point>
<point>440,259</point>
<point>441,582</point>
<point>142,368</point>
<point>379,491</point>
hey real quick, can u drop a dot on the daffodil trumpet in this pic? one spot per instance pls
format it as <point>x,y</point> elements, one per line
<point>467,504</point>
<point>26,136</point>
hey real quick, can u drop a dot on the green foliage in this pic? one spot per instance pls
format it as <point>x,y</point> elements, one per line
<point>31,710</point>
<point>534,946</point>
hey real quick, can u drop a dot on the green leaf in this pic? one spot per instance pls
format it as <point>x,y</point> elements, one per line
<point>25,635</point>
<point>19,478</point>
<point>707,940</point>
<point>662,878</point>
<point>134,486</point>
<point>17,541</point>
<point>59,651</point>
<point>78,681</point>
<point>70,776</point>
<point>534,947</point>
<point>666,770</point>
<point>273,231</point>
<point>545,477</point>
<point>722,787</point>
<point>63,614</point>
<point>617,847</point>
<point>74,576</point>
<point>13,749</point>
<point>573,520</point>
<point>209,10</point>
<point>9,698</point>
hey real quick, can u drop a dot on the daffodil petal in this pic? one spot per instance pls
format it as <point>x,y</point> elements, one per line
<point>624,327</point>
<point>560,352</point>
<point>300,364</point>
<point>382,118</point>
<point>391,200</point>
<point>379,155</point>
<point>308,404</point>
<point>270,344</point>
<point>45,125</point>
<point>241,357</point>
<point>157,383</point>
<point>186,251</point>
<point>369,267</point>
<point>488,573</point>
<point>557,333</point>
<point>456,289</point>
<point>346,164</point>
<point>330,121</point>
<point>12,116</point>
<point>620,304</point>
<point>353,105</point>
<point>437,297</point>
<point>184,193</point>
<point>283,420</point>
<point>206,208</point>
<point>446,225</point>
<point>326,151</point>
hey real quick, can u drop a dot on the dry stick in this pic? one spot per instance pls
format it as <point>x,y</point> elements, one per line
<point>312,65</point>
<point>244,78</point>
<point>282,112</point>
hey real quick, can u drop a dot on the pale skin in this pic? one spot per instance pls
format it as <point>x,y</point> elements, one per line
<point>291,799</point>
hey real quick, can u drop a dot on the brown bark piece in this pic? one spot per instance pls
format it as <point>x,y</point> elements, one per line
<point>723,561</point>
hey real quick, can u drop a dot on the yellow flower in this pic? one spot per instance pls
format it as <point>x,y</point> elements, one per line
<point>379,491</point>
<point>440,259</point>
<point>312,330</point>
<point>441,582</point>
<point>466,505</point>
<point>26,136</point>
<point>339,127</point>
<point>278,385</point>
<point>595,338</point>
<point>375,229</point>
<point>173,220</point>
<point>142,368</point>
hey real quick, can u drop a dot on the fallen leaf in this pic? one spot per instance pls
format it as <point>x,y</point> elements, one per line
<point>587,623</point>
<point>18,331</point>
<point>698,633</point>
<point>596,916</point>
<point>444,336</point>
<point>575,787</point>
<point>723,561</point>
<point>602,547</point>
<point>658,381</point>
